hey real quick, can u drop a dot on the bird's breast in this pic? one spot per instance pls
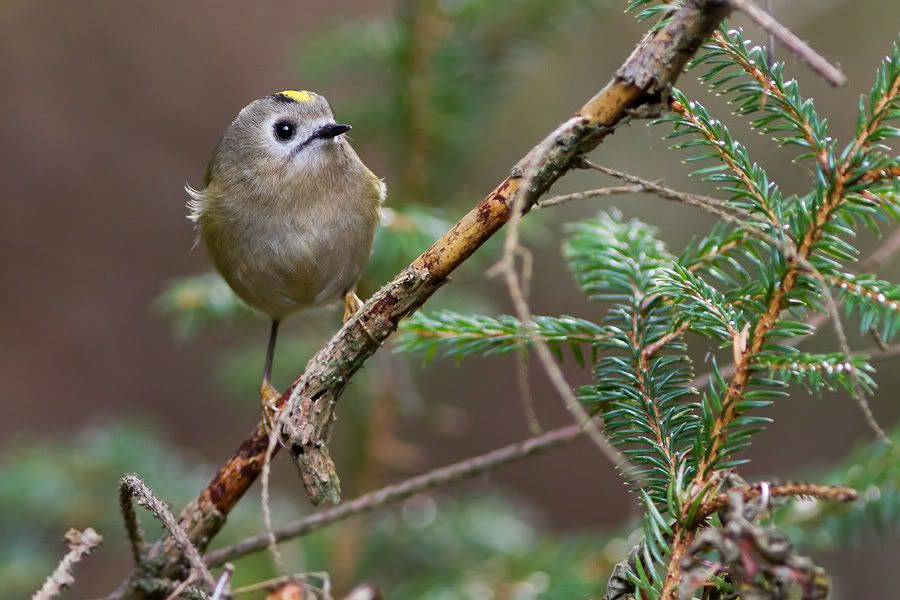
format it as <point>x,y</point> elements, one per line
<point>293,251</point>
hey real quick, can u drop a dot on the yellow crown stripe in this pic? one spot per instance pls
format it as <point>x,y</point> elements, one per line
<point>299,95</point>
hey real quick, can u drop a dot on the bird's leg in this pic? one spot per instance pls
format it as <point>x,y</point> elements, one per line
<point>267,393</point>
<point>352,303</point>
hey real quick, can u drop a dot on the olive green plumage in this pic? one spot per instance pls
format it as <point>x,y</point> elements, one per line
<point>289,211</point>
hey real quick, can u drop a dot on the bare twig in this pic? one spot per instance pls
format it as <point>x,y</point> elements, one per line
<point>461,470</point>
<point>134,487</point>
<point>265,499</point>
<point>277,582</point>
<point>718,207</point>
<point>798,47</point>
<point>832,493</point>
<point>182,587</point>
<point>81,544</point>
<point>506,268</point>
<point>861,401</point>
<point>132,526</point>
<point>597,193</point>
<point>525,395</point>
<point>223,583</point>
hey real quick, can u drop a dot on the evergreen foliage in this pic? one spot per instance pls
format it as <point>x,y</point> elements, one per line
<point>749,285</point>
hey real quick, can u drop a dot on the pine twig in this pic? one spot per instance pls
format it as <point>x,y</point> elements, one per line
<point>464,469</point>
<point>81,544</point>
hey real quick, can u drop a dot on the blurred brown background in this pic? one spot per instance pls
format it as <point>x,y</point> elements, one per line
<point>109,108</point>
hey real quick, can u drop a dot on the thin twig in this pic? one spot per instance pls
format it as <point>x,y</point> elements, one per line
<point>707,203</point>
<point>845,350</point>
<point>222,584</point>
<point>81,544</point>
<point>525,395</point>
<point>265,498</point>
<point>597,193</point>
<point>798,47</point>
<point>136,488</point>
<point>832,493</point>
<point>451,473</point>
<point>879,258</point>
<point>132,525</point>
<point>507,269</point>
<point>181,587</point>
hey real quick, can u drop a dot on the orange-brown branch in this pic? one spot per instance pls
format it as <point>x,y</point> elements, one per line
<point>642,80</point>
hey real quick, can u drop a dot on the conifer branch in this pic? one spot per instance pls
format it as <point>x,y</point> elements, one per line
<point>837,178</point>
<point>777,94</point>
<point>642,80</point>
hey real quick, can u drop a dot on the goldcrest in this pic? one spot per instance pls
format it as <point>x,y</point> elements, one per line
<point>289,211</point>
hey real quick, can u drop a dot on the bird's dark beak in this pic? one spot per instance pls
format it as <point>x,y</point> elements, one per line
<point>332,130</point>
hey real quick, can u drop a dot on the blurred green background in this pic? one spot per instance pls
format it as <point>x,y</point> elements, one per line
<point>110,108</point>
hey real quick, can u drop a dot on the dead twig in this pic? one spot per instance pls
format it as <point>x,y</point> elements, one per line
<point>832,493</point>
<point>223,584</point>
<point>795,45</point>
<point>81,544</point>
<point>506,268</point>
<point>134,488</point>
<point>597,193</point>
<point>132,526</point>
<point>464,469</point>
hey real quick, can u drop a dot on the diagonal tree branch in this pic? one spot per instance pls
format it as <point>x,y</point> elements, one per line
<point>642,81</point>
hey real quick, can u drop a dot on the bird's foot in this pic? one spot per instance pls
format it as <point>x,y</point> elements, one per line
<point>269,396</point>
<point>352,303</point>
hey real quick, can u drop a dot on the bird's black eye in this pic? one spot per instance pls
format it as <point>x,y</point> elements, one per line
<point>285,130</point>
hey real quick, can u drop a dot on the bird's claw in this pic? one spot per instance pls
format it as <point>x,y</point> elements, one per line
<point>269,397</point>
<point>352,303</point>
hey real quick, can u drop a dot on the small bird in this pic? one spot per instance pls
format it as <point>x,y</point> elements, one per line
<point>289,212</point>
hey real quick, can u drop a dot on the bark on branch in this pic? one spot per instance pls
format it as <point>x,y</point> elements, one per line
<point>642,81</point>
